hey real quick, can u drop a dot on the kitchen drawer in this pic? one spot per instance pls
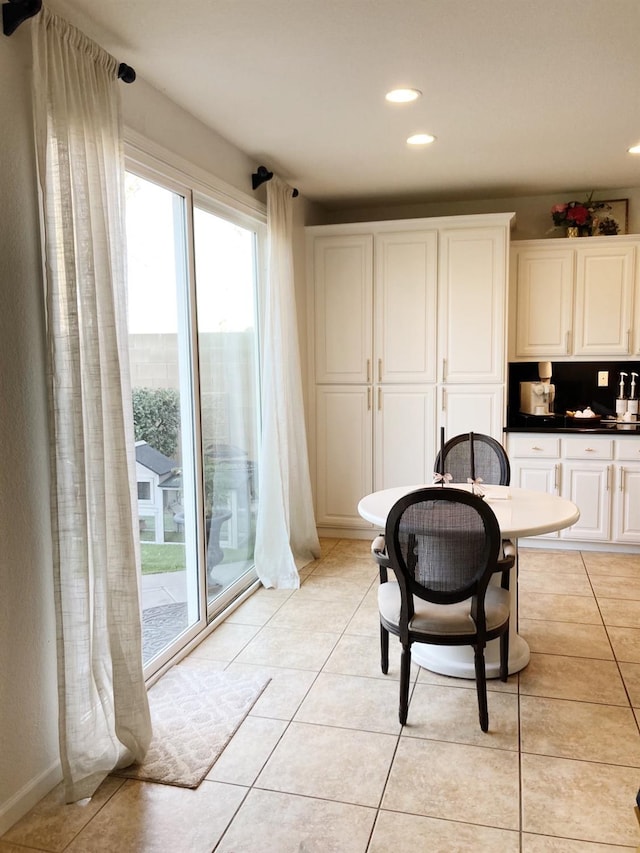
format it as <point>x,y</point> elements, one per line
<point>587,448</point>
<point>535,446</point>
<point>627,450</point>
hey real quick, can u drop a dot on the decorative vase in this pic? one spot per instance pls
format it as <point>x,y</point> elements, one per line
<point>573,231</point>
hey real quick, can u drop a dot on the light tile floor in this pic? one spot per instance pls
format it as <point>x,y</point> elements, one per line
<point>321,764</point>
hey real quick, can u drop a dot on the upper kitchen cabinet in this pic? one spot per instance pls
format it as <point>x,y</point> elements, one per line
<point>544,300</point>
<point>604,300</point>
<point>472,278</point>
<point>574,297</point>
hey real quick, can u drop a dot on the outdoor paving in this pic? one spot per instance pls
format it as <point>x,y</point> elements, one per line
<point>171,587</point>
<point>163,588</point>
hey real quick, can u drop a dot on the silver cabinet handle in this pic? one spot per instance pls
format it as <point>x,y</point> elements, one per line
<point>556,470</point>
<point>368,399</point>
<point>444,369</point>
<point>379,399</point>
<point>368,370</point>
<point>535,447</point>
<point>621,479</point>
<point>589,450</point>
<point>567,340</point>
<point>379,370</point>
<point>608,477</point>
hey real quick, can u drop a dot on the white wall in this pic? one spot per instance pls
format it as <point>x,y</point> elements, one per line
<point>533,216</point>
<point>148,112</point>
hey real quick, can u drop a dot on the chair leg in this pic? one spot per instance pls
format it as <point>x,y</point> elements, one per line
<point>481,687</point>
<point>405,669</point>
<point>384,649</point>
<point>504,656</point>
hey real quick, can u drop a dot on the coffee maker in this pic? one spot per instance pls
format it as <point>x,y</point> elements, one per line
<point>537,398</point>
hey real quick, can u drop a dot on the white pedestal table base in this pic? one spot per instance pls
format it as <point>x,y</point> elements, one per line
<point>458,660</point>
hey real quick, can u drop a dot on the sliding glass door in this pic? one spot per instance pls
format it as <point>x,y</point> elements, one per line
<point>228,358</point>
<point>193,347</point>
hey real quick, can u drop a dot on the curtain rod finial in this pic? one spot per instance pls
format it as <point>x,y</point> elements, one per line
<point>260,176</point>
<point>126,73</point>
<point>15,12</point>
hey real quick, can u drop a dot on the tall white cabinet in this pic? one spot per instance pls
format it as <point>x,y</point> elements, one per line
<point>407,323</point>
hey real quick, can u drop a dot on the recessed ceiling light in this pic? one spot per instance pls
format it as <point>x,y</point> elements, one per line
<point>421,139</point>
<point>403,96</point>
<point>635,149</point>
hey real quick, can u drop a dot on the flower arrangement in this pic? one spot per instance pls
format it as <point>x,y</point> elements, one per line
<point>583,216</point>
<point>571,213</point>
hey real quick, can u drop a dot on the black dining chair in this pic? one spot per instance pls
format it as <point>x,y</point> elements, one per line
<point>444,546</point>
<point>489,462</point>
<point>489,459</point>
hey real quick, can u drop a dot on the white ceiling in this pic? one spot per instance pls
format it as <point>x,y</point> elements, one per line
<point>525,97</point>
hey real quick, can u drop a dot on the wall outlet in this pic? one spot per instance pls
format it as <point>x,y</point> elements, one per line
<point>603,378</point>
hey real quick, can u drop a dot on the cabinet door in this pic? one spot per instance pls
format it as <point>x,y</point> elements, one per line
<point>588,486</point>
<point>343,453</point>
<point>472,408</point>
<point>539,476</point>
<point>343,308</point>
<point>405,306</point>
<point>536,475</point>
<point>544,301</point>
<point>404,435</point>
<point>627,514</point>
<point>471,304</point>
<point>604,300</point>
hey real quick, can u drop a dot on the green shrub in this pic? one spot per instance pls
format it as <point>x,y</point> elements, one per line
<point>156,418</point>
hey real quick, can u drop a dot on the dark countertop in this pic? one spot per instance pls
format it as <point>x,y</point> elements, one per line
<point>614,430</point>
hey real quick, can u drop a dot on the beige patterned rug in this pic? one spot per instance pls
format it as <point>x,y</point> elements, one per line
<point>195,711</point>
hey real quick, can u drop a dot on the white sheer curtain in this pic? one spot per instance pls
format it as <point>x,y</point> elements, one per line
<point>104,714</point>
<point>286,525</point>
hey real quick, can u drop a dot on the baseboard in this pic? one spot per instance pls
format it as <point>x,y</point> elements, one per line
<point>555,543</point>
<point>27,797</point>
<point>347,533</point>
<point>576,545</point>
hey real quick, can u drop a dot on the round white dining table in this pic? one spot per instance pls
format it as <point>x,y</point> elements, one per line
<point>520,512</point>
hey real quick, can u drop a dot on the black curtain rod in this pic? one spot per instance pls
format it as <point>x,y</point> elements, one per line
<point>262,175</point>
<point>16,12</point>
